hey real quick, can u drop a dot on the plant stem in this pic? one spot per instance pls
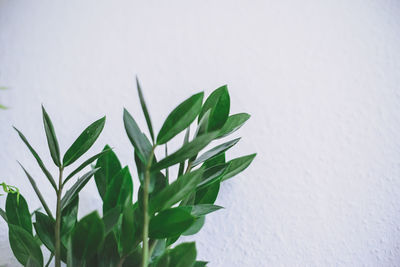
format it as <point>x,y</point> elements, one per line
<point>145,255</point>
<point>57,229</point>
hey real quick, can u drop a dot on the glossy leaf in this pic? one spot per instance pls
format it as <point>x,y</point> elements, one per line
<point>219,104</point>
<point>185,141</point>
<point>202,128</point>
<point>85,141</point>
<point>44,227</point>
<point>176,191</point>
<point>127,230</point>
<point>120,190</point>
<point>180,118</point>
<point>108,255</point>
<point>18,213</point>
<point>215,151</point>
<point>238,165</point>
<point>134,259</point>
<point>37,191</point>
<point>109,166</point>
<point>186,151</point>
<point>51,138</point>
<point>86,239</point>
<point>170,222</point>
<point>208,194</point>
<point>24,245</point>
<point>38,159</point>
<point>204,209</point>
<point>76,188</point>
<point>138,139</point>
<point>145,110</point>
<point>32,263</point>
<point>233,123</point>
<point>195,227</point>
<point>217,160</point>
<point>183,255</point>
<point>86,163</point>
<point>111,218</point>
<point>200,264</point>
<point>69,217</point>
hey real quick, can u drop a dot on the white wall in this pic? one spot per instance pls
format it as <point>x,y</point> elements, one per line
<point>320,78</point>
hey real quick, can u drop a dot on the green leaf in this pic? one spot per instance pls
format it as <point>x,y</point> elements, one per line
<point>38,159</point>
<point>176,191</point>
<point>219,103</point>
<point>134,259</point>
<point>3,107</point>
<point>85,140</point>
<point>213,175</point>
<point>217,160</point>
<point>24,245</point>
<point>180,118</point>
<point>76,188</point>
<point>44,227</point>
<point>3,215</point>
<point>202,128</point>
<point>111,218</point>
<point>203,209</point>
<point>120,190</point>
<point>195,227</point>
<point>69,217</point>
<point>159,249</point>
<point>51,138</point>
<point>86,163</point>
<point>238,165</point>
<point>108,255</point>
<point>109,166</point>
<point>186,151</point>
<point>183,255</point>
<point>86,239</point>
<point>233,123</point>
<point>145,110</point>
<point>32,263</point>
<point>37,191</point>
<point>170,222</point>
<point>215,151</point>
<point>138,139</point>
<point>127,230</point>
<point>185,141</point>
<point>208,194</point>
<point>18,213</point>
<point>200,264</point>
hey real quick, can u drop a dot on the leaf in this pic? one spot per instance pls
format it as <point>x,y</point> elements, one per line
<point>200,264</point>
<point>144,108</point>
<point>18,213</point>
<point>195,227</point>
<point>217,160</point>
<point>186,151</point>
<point>134,259</point>
<point>24,245</point>
<point>170,222</point>
<point>108,255</point>
<point>3,215</point>
<point>219,103</point>
<point>37,191</point>
<point>86,163</point>
<point>208,194</point>
<point>38,159</point>
<point>3,107</point>
<point>203,209</point>
<point>86,239</point>
<point>109,166</point>
<point>183,255</point>
<point>69,217</point>
<point>76,188</point>
<point>159,249</point>
<point>32,263</point>
<point>138,139</point>
<point>212,175</point>
<point>111,218</point>
<point>51,138</point>
<point>233,123</point>
<point>120,190</point>
<point>185,141</point>
<point>180,118</point>
<point>127,230</point>
<point>215,151</point>
<point>85,140</point>
<point>238,165</point>
<point>202,128</point>
<point>176,191</point>
<point>44,227</point>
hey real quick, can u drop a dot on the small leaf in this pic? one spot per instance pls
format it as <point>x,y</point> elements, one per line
<point>24,245</point>
<point>185,141</point>
<point>238,165</point>
<point>219,103</point>
<point>18,213</point>
<point>217,160</point>
<point>200,264</point>
<point>233,123</point>
<point>38,159</point>
<point>203,209</point>
<point>127,230</point>
<point>170,222</point>
<point>44,227</point>
<point>51,138</point>
<point>86,239</point>
<point>120,191</point>
<point>186,151</point>
<point>76,188</point>
<point>138,139</point>
<point>109,166</point>
<point>215,151</point>
<point>195,227</point>
<point>69,217</point>
<point>145,110</point>
<point>85,141</point>
<point>108,255</point>
<point>208,194</point>
<point>176,191</point>
<point>180,118</point>
<point>86,163</point>
<point>183,255</point>
<point>213,175</point>
<point>3,215</point>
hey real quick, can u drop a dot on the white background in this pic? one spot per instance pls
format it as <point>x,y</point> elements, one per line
<point>320,79</point>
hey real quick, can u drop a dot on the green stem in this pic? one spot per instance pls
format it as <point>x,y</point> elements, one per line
<point>57,229</point>
<point>145,255</point>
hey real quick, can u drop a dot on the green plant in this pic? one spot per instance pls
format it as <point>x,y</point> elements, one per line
<point>140,233</point>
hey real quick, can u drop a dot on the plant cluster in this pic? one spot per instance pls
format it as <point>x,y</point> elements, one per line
<point>131,233</point>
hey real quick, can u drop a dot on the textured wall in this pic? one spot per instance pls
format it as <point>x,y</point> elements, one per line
<point>320,78</point>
